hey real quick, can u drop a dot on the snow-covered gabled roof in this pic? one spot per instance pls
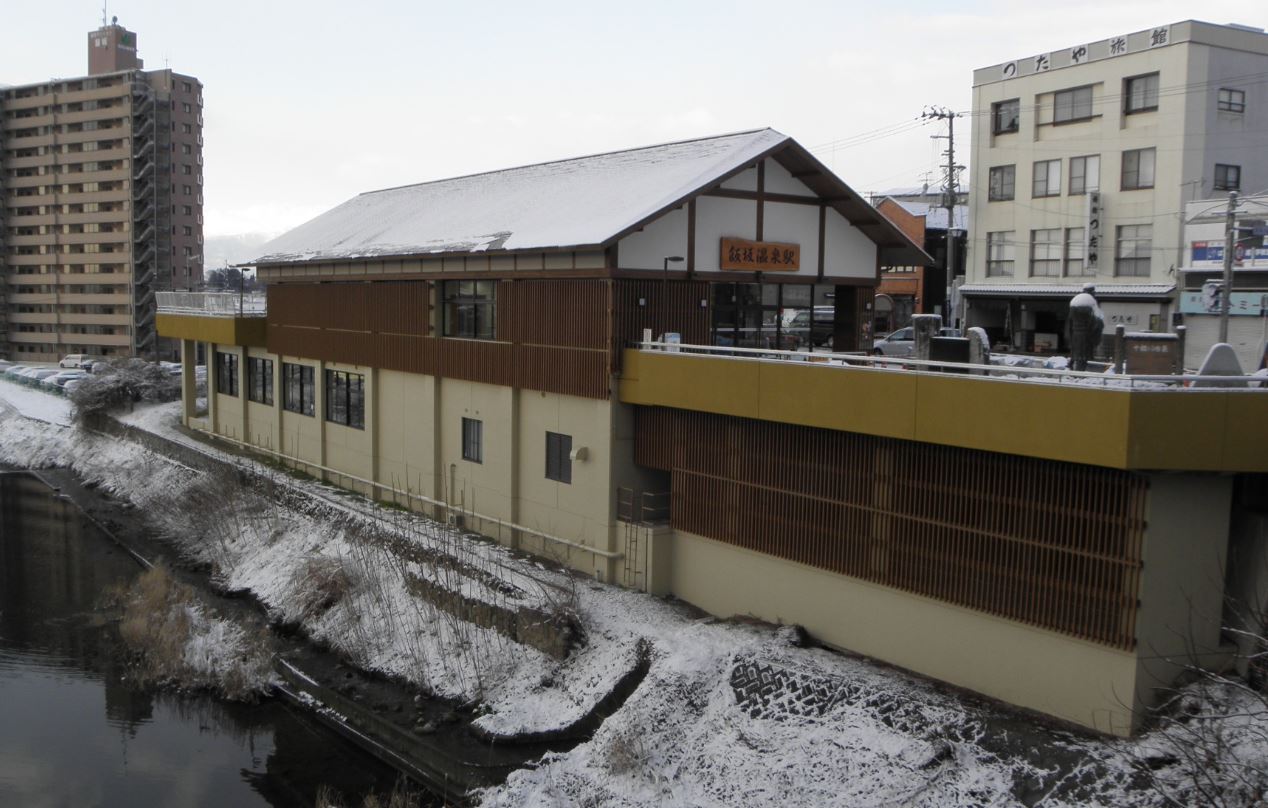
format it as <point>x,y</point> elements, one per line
<point>566,204</point>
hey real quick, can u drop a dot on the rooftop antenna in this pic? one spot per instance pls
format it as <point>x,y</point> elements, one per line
<point>103,14</point>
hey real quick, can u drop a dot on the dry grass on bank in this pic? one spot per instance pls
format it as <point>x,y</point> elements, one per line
<point>401,797</point>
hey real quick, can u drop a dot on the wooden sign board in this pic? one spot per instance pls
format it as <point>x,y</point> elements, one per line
<point>1151,356</point>
<point>741,255</point>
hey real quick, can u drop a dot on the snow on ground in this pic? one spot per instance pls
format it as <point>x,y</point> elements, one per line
<point>35,403</point>
<point>837,729</point>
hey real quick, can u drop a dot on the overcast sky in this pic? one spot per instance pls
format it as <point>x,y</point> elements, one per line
<point>309,103</point>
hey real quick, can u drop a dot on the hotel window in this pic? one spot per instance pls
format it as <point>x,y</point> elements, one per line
<point>558,462</point>
<point>1140,93</point>
<point>999,253</point>
<point>1228,178</point>
<point>1132,250</point>
<point>298,390</point>
<point>1072,105</point>
<point>1047,178</point>
<point>470,309</point>
<point>227,373</point>
<point>1085,174</point>
<point>260,380</point>
<point>1005,116</point>
<point>345,398</point>
<point>1003,183</point>
<point>1075,249</point>
<point>473,440</point>
<point>1045,252</point>
<point>1138,169</point>
<point>1231,100</point>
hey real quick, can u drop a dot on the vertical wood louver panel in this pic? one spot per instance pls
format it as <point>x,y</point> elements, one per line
<point>1056,545</point>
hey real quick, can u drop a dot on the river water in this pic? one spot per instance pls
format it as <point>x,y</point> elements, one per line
<point>74,730</point>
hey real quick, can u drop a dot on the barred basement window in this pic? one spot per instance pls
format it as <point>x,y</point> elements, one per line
<point>558,462</point>
<point>299,392</point>
<point>473,440</point>
<point>227,373</point>
<point>345,398</point>
<point>260,380</point>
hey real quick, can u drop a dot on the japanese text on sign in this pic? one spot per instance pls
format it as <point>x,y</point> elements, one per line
<point>759,256</point>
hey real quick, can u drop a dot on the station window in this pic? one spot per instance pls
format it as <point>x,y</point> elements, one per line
<point>260,380</point>
<point>473,440</point>
<point>779,316</point>
<point>1005,116</point>
<point>298,391</point>
<point>470,309</point>
<point>226,373</point>
<point>558,462</point>
<point>345,398</point>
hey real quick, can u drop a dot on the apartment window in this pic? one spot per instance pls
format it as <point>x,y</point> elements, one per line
<point>1045,252</point>
<point>187,129</point>
<point>186,149</point>
<point>1005,116</point>
<point>473,440</point>
<point>1140,93</point>
<point>187,169</point>
<point>187,87</point>
<point>1072,105</point>
<point>1138,169</point>
<point>1085,174</point>
<point>469,309</point>
<point>558,462</point>
<point>185,107</point>
<point>1231,100</point>
<point>187,230</point>
<point>1075,250</point>
<point>260,380</point>
<point>1132,249</point>
<point>1047,178</point>
<point>186,190</point>
<point>1003,183</point>
<point>345,398</point>
<point>1228,178</point>
<point>187,210</point>
<point>298,391</point>
<point>227,373</point>
<point>999,253</point>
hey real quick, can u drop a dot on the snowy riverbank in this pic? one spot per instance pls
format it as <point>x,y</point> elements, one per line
<point>729,713</point>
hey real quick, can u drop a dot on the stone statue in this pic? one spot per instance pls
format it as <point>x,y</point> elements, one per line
<point>1083,327</point>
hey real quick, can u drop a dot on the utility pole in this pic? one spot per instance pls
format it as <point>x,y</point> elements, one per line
<point>1230,244</point>
<point>950,184</point>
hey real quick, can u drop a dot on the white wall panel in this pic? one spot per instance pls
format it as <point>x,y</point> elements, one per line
<point>648,248</point>
<point>717,217</point>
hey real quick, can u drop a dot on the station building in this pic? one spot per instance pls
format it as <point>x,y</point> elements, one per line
<point>478,348</point>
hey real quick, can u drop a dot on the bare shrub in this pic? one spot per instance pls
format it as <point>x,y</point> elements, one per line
<point>123,382</point>
<point>320,583</point>
<point>401,796</point>
<point>625,751</point>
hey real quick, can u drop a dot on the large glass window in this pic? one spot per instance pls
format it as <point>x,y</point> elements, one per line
<point>473,440</point>
<point>226,373</point>
<point>1140,93</point>
<point>345,398</point>
<point>1132,249</point>
<point>1005,116</point>
<point>1000,253</point>
<point>1085,174</point>
<point>1072,105</point>
<point>1003,183</point>
<point>1047,178</point>
<point>558,460</point>
<point>1045,252</point>
<point>778,316</point>
<point>260,380</point>
<point>299,393</point>
<point>470,309</point>
<point>1138,169</point>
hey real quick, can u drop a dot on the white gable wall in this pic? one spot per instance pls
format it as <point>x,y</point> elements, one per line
<point>648,248</point>
<point>795,224</point>
<point>779,181</point>
<point>718,218</point>
<point>848,252</point>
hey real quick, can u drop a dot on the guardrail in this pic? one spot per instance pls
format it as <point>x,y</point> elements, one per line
<point>999,372</point>
<point>213,304</point>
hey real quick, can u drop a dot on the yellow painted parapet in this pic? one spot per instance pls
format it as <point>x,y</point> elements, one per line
<point>1190,430</point>
<point>248,331</point>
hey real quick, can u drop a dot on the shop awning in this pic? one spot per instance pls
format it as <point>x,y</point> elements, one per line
<point>1107,291</point>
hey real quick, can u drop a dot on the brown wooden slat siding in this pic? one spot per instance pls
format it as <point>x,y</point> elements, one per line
<point>670,306</point>
<point>552,334</point>
<point>1055,545</point>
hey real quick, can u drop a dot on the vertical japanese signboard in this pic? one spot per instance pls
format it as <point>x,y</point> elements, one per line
<point>1092,233</point>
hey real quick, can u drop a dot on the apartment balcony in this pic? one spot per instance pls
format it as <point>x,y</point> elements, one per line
<point>124,339</point>
<point>70,297</point>
<point>34,161</point>
<point>1116,421</point>
<point>31,120</point>
<point>225,318</point>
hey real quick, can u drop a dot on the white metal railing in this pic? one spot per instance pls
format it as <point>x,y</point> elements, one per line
<point>213,304</point>
<point>992,372</point>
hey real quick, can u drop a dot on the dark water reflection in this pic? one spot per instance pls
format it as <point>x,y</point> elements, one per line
<point>75,731</point>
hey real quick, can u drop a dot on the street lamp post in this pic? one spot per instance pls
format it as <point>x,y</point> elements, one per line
<point>676,259</point>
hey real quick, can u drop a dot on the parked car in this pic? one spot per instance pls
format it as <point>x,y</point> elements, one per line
<point>57,382</point>
<point>76,360</point>
<point>34,376</point>
<point>903,341</point>
<point>5,365</point>
<point>13,372</point>
<point>817,330</point>
<point>71,385</point>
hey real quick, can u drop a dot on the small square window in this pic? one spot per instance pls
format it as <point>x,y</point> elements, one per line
<point>1231,100</point>
<point>1140,93</point>
<point>558,460</point>
<point>1005,116</point>
<point>1228,178</point>
<point>473,440</point>
<point>1138,169</point>
<point>1047,178</point>
<point>1003,183</point>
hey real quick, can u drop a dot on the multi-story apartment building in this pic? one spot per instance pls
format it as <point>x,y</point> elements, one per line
<point>101,184</point>
<point>1083,160</point>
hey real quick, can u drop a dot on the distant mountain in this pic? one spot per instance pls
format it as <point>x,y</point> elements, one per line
<point>220,251</point>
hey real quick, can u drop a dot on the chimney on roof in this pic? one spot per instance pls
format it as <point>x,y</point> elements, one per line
<point>112,48</point>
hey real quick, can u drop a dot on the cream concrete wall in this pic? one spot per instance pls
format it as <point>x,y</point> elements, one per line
<point>262,420</point>
<point>228,410</point>
<point>1078,681</point>
<point>301,435</point>
<point>349,449</point>
<point>406,433</point>
<point>486,487</point>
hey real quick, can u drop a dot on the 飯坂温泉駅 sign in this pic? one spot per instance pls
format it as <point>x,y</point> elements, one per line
<point>759,256</point>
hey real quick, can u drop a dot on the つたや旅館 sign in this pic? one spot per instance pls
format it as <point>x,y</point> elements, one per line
<point>759,256</point>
